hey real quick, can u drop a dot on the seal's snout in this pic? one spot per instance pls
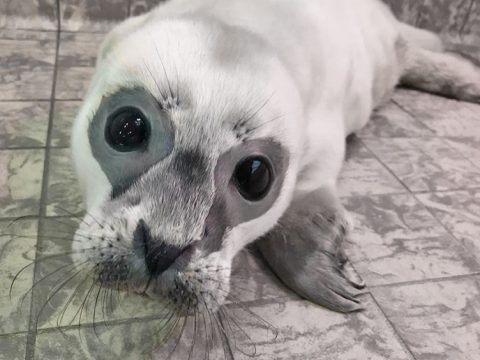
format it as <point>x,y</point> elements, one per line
<point>158,254</point>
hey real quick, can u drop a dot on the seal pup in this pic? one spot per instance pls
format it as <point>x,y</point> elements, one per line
<point>211,124</point>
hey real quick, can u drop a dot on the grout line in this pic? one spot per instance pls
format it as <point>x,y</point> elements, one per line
<point>414,117</point>
<point>385,166</point>
<point>425,281</point>
<point>14,334</point>
<point>32,324</point>
<point>36,217</point>
<point>33,148</point>
<point>408,192</point>
<point>394,329</point>
<point>45,100</point>
<point>447,230</point>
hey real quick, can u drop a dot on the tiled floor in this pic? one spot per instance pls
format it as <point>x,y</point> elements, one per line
<point>411,182</point>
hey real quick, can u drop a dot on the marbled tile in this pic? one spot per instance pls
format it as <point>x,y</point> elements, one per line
<point>79,49</point>
<point>21,173</point>
<point>26,65</point>
<point>443,116</point>
<point>129,341</point>
<point>363,174</point>
<point>63,115</point>
<point>72,83</point>
<point>302,330</point>
<point>13,347</point>
<point>395,239</point>
<point>28,14</point>
<point>138,7</point>
<point>444,16</point>
<point>392,121</point>
<point>92,15</point>
<point>63,190</point>
<point>406,10</point>
<point>471,30</point>
<point>427,164</point>
<point>459,212</point>
<point>23,124</point>
<point>296,330</point>
<point>17,251</point>
<point>468,147</point>
<point>437,320</point>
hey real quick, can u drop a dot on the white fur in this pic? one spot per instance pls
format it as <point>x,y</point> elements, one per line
<point>329,63</point>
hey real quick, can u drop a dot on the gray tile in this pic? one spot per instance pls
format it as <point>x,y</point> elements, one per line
<point>443,116</point>
<point>138,7</point>
<point>438,320</point>
<point>130,341</point>
<point>79,49</point>
<point>63,115</point>
<point>444,16</point>
<point>468,147</point>
<point>26,65</point>
<point>471,30</point>
<point>363,174</point>
<point>13,347</point>
<point>23,124</point>
<point>395,239</point>
<point>28,14</point>
<point>63,193</point>
<point>21,173</point>
<point>406,10</point>
<point>428,164</point>
<point>392,121</point>
<point>459,212</point>
<point>72,83</point>
<point>92,15</point>
<point>17,252</point>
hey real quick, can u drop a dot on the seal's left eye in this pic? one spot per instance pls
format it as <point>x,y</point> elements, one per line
<point>127,130</point>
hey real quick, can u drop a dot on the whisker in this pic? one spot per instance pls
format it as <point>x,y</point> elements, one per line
<point>55,292</point>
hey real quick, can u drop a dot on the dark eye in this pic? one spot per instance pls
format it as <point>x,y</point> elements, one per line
<point>127,130</point>
<point>253,177</point>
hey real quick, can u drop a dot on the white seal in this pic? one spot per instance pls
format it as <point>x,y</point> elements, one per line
<point>210,124</point>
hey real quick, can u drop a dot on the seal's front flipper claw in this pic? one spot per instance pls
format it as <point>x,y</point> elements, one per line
<point>305,251</point>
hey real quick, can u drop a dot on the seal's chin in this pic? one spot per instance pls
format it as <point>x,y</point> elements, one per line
<point>194,288</point>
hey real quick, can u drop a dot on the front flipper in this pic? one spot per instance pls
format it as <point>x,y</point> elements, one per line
<point>305,251</point>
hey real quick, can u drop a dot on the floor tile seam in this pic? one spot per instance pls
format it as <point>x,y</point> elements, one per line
<point>445,227</point>
<point>393,328</point>
<point>426,281</point>
<point>32,330</point>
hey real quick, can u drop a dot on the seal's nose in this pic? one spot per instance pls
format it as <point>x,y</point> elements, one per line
<point>159,256</point>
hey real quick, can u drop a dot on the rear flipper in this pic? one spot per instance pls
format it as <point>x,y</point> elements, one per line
<point>441,73</point>
<point>305,251</point>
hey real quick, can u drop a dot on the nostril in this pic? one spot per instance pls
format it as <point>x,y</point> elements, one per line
<point>159,256</point>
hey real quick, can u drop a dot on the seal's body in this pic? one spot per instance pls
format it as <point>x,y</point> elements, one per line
<point>210,124</point>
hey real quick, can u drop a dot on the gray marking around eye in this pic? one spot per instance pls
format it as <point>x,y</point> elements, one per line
<point>121,168</point>
<point>229,208</point>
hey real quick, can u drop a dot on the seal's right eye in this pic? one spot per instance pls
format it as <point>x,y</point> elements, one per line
<point>127,130</point>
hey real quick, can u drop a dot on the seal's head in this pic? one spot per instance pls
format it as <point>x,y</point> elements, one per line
<point>185,148</point>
